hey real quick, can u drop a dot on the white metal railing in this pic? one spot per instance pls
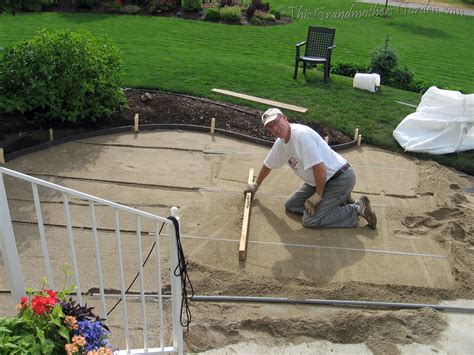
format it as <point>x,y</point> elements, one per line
<point>15,275</point>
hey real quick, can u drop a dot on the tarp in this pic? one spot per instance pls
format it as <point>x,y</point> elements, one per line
<point>443,123</point>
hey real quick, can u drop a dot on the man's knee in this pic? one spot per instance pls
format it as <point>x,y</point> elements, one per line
<point>310,221</point>
<point>292,206</point>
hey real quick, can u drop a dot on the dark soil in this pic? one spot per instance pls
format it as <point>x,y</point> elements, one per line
<point>21,131</point>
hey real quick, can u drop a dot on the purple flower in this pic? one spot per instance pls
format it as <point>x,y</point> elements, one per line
<point>95,334</point>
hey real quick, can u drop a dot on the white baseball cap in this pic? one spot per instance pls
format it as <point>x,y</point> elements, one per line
<point>270,115</point>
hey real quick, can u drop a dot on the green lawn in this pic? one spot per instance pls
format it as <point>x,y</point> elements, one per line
<point>194,57</point>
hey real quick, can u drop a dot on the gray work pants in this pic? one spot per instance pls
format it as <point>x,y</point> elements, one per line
<point>331,211</point>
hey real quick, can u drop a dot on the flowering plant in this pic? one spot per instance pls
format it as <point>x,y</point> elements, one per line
<point>50,322</point>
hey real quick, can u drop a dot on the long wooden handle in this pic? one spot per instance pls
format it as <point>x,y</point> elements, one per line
<point>245,222</point>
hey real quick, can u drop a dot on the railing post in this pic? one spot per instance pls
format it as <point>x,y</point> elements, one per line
<point>176,293</point>
<point>9,249</point>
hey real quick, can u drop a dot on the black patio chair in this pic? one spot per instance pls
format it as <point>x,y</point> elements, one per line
<point>319,46</point>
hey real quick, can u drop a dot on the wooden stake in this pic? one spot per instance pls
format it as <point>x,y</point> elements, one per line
<point>136,120</point>
<point>245,222</point>
<point>359,139</point>
<point>213,125</point>
<point>2,156</point>
<point>356,134</point>
<point>326,139</point>
<point>51,135</point>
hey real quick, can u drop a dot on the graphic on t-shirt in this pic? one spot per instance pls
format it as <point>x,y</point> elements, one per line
<point>293,163</point>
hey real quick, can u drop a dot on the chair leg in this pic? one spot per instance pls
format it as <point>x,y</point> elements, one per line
<point>304,68</point>
<point>296,70</point>
<point>326,72</point>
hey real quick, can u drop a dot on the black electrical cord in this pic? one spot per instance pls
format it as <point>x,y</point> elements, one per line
<point>138,273</point>
<point>182,272</point>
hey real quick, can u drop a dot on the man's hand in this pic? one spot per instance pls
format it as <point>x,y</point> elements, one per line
<point>311,203</point>
<point>252,188</point>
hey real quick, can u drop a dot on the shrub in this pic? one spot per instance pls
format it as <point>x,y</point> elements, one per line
<point>211,14</point>
<point>402,78</point>
<point>275,13</point>
<point>254,6</point>
<point>140,3</point>
<point>384,60</point>
<point>130,9</point>
<point>349,69</point>
<point>224,3</point>
<point>250,11</point>
<point>85,4</point>
<point>191,5</point>
<point>468,1</point>
<point>270,17</point>
<point>62,75</point>
<point>264,16</point>
<point>25,5</point>
<point>230,13</point>
<point>255,20</point>
<point>259,5</point>
<point>161,5</point>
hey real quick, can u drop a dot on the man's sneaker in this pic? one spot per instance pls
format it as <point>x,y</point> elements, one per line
<point>349,200</point>
<point>366,212</point>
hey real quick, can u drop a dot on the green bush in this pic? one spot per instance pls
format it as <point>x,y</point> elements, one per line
<point>211,14</point>
<point>157,6</point>
<point>270,17</point>
<point>85,4</point>
<point>468,1</point>
<point>230,13</point>
<point>254,20</point>
<point>384,61</point>
<point>402,78</point>
<point>275,13</point>
<point>264,15</point>
<point>191,5</point>
<point>130,9</point>
<point>63,75</point>
<point>24,5</point>
<point>349,69</point>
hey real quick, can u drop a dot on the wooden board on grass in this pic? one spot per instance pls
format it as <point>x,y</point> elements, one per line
<point>262,101</point>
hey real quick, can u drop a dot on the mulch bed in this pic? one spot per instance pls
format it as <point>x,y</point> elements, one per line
<point>21,131</point>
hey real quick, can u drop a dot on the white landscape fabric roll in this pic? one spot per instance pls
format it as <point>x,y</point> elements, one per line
<point>369,82</point>
<point>443,123</point>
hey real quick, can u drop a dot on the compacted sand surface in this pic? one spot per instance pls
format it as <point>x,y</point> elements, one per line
<point>421,252</point>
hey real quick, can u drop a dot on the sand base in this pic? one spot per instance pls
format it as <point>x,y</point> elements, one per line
<point>421,252</point>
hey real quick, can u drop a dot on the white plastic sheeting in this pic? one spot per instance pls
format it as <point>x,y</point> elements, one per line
<point>443,123</point>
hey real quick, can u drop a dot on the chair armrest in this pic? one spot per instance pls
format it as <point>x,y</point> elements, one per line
<point>332,47</point>
<point>298,46</point>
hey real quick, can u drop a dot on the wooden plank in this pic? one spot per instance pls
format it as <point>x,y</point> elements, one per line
<point>245,222</point>
<point>262,101</point>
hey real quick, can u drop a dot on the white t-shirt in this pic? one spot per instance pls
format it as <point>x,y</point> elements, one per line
<point>305,149</point>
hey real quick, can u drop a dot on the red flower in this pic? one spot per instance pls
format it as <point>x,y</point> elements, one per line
<point>23,300</point>
<point>40,304</point>
<point>51,293</point>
